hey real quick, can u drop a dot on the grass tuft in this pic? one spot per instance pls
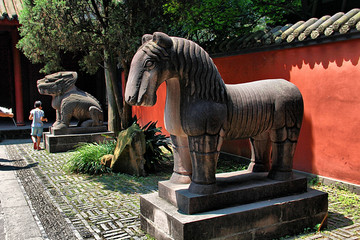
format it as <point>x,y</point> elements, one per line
<point>87,157</point>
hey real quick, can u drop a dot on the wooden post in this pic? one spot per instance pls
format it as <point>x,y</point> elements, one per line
<point>17,79</point>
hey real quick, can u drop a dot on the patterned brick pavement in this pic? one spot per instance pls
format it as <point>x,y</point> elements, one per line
<point>107,207</point>
<point>101,207</point>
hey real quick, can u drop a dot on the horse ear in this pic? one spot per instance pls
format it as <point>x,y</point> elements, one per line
<point>146,38</point>
<point>69,75</point>
<point>162,40</point>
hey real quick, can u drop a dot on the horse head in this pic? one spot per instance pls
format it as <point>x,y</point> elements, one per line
<point>149,68</point>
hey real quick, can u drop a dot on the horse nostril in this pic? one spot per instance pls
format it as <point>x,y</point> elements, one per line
<point>130,100</point>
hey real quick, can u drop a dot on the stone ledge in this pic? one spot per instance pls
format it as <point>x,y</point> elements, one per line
<point>63,143</point>
<point>261,220</point>
<point>78,130</point>
<point>234,188</point>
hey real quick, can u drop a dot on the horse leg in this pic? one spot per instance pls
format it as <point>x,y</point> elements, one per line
<point>260,153</point>
<point>284,142</point>
<point>204,151</point>
<point>182,161</point>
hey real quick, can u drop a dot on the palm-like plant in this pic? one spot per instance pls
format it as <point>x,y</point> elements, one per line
<point>156,147</point>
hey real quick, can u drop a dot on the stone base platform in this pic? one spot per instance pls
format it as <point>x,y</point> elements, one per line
<point>78,130</point>
<point>234,188</point>
<point>62,143</point>
<point>251,207</point>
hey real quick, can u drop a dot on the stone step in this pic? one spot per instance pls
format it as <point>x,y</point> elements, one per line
<point>260,220</point>
<point>234,188</point>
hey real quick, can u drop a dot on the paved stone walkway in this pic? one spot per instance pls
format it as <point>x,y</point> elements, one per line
<point>76,206</point>
<point>101,207</point>
<point>16,218</point>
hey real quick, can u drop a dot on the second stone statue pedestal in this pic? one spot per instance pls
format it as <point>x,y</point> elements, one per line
<point>246,206</point>
<point>65,140</point>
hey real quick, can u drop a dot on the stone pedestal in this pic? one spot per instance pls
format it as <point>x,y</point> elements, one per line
<point>246,206</point>
<point>61,142</point>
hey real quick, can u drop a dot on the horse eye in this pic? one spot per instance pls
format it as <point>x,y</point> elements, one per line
<point>149,64</point>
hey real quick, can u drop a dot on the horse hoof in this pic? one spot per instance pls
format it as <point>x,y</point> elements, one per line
<point>180,178</point>
<point>281,176</point>
<point>202,188</point>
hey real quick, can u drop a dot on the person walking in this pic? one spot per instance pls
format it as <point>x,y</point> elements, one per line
<point>37,117</point>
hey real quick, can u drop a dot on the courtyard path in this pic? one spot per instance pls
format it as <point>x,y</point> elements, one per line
<point>76,206</point>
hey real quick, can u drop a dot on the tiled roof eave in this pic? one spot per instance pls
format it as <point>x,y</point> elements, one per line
<point>340,26</point>
<point>337,37</point>
<point>7,17</point>
<point>10,9</point>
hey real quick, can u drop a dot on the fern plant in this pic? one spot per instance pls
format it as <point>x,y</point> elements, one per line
<point>156,147</point>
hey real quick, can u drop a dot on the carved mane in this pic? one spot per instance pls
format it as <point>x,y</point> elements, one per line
<point>196,69</point>
<point>57,83</point>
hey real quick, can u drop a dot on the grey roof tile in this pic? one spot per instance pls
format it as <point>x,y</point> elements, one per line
<point>339,22</point>
<point>291,29</point>
<point>281,36</point>
<point>300,29</point>
<point>312,27</point>
<point>350,23</point>
<point>9,9</point>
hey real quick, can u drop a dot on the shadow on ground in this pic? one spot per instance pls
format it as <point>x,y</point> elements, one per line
<point>128,184</point>
<point>12,168</point>
<point>338,220</point>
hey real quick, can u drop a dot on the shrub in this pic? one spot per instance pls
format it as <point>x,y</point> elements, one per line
<point>87,157</point>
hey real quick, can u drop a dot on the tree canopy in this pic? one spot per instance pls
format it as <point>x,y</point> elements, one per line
<point>105,33</point>
<point>212,21</point>
<point>86,27</point>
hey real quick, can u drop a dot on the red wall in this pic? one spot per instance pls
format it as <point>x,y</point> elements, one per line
<point>328,76</point>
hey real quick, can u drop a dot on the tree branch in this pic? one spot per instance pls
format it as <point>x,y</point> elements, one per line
<point>98,15</point>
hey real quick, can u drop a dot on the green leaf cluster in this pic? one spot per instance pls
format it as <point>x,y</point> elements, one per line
<point>157,147</point>
<point>278,11</point>
<point>88,28</point>
<point>213,21</point>
<point>204,20</point>
<point>87,158</point>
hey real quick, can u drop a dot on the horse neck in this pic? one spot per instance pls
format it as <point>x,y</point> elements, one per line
<point>173,92</point>
<point>172,107</point>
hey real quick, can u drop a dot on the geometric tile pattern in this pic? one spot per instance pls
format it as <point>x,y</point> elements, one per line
<point>107,206</point>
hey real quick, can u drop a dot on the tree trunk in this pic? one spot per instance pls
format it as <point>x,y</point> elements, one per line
<point>119,112</point>
<point>113,94</point>
<point>126,117</point>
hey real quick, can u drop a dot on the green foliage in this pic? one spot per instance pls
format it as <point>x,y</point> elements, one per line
<point>49,28</point>
<point>277,12</point>
<point>157,148</point>
<point>230,165</point>
<point>206,20</point>
<point>86,158</point>
<point>315,181</point>
<point>209,22</point>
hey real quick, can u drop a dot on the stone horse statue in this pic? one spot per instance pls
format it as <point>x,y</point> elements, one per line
<point>201,111</point>
<point>69,101</point>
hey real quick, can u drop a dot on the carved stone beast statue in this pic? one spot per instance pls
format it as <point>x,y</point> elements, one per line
<point>69,101</point>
